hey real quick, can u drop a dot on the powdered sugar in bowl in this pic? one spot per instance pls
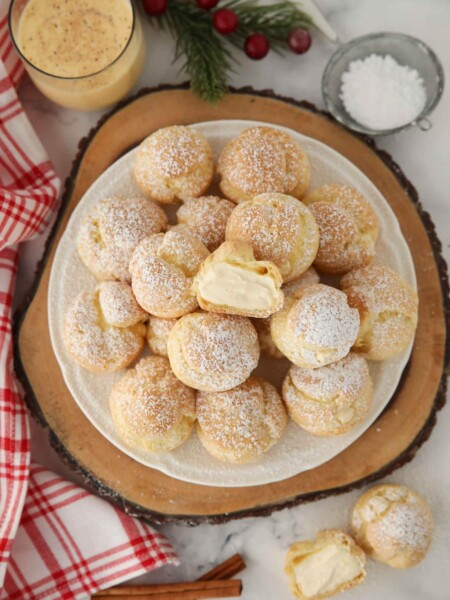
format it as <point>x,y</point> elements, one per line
<point>408,65</point>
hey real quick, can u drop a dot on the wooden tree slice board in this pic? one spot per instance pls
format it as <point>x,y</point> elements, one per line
<point>386,445</point>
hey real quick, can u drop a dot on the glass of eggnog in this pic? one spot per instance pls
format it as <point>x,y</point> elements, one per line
<point>82,54</point>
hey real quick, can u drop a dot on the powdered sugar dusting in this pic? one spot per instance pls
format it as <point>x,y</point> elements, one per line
<point>389,305</point>
<point>207,218</point>
<point>261,160</point>
<point>94,343</point>
<point>175,150</point>
<point>244,421</point>
<point>348,227</point>
<point>279,228</point>
<point>150,399</point>
<point>174,162</point>
<point>347,376</point>
<point>118,304</point>
<point>217,351</point>
<point>329,400</point>
<point>407,525</point>
<point>111,232</point>
<point>323,318</point>
<point>395,517</point>
<point>157,333</point>
<point>162,268</point>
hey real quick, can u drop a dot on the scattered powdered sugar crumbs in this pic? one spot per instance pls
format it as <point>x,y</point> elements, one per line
<point>380,93</point>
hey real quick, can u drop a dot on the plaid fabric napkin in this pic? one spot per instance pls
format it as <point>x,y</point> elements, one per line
<point>69,543</point>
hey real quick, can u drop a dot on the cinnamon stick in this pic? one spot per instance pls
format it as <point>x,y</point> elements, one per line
<point>229,568</point>
<point>192,590</point>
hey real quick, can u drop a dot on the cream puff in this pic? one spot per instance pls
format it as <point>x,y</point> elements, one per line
<point>260,160</point>
<point>348,227</point>
<point>96,344</point>
<point>279,228</point>
<point>325,566</point>
<point>111,231</point>
<point>317,328</point>
<point>151,409</point>
<point>162,269</point>
<point>212,352</point>
<point>330,400</point>
<point>157,334</point>
<point>294,287</point>
<point>207,218</point>
<point>393,524</point>
<point>174,163</point>
<point>290,290</point>
<point>240,424</point>
<point>118,304</point>
<point>388,309</point>
<point>231,281</point>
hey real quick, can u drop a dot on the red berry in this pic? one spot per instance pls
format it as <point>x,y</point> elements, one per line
<point>256,46</point>
<point>225,21</point>
<point>299,40</point>
<point>207,4</point>
<point>155,8</point>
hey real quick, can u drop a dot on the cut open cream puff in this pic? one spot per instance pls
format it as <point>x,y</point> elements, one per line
<point>231,281</point>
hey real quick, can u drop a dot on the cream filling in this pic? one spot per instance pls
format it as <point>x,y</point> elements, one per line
<point>232,285</point>
<point>326,570</point>
<point>345,416</point>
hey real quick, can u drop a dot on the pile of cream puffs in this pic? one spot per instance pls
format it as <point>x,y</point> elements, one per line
<point>235,276</point>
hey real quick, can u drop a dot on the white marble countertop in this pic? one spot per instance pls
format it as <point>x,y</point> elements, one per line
<point>425,159</point>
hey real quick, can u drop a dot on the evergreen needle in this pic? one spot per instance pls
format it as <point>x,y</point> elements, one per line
<point>207,57</point>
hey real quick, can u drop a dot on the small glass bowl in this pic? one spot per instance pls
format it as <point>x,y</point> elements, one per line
<point>406,50</point>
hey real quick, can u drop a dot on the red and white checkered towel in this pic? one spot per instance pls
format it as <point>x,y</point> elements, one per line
<point>56,540</point>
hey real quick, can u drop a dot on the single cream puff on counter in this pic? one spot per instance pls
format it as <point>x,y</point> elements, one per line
<point>151,409</point>
<point>212,352</point>
<point>388,309</point>
<point>231,281</point>
<point>240,424</point>
<point>279,228</point>
<point>162,270</point>
<point>111,231</point>
<point>263,159</point>
<point>174,163</point>
<point>393,524</point>
<point>96,344</point>
<point>316,328</point>
<point>348,228</point>
<point>329,400</point>
<point>325,566</point>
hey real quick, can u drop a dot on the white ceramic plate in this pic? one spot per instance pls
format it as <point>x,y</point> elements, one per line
<point>298,450</point>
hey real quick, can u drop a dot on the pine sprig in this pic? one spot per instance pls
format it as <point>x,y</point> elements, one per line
<point>207,57</point>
